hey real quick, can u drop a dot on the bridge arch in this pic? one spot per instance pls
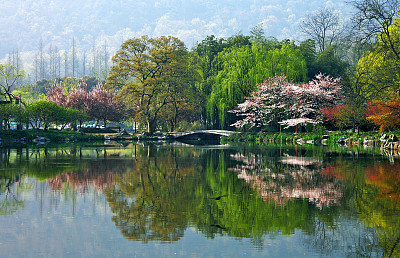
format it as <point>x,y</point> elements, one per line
<point>201,135</point>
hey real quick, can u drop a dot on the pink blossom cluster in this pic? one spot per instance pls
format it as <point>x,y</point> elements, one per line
<point>98,103</point>
<point>287,103</point>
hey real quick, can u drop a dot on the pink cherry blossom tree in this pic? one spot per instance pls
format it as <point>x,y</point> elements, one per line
<point>78,98</point>
<point>310,99</point>
<point>286,103</point>
<point>265,104</point>
<point>99,104</point>
<point>56,94</point>
<point>102,105</point>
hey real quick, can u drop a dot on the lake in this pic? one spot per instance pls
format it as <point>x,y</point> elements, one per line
<point>173,200</point>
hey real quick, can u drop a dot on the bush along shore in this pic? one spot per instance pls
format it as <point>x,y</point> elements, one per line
<point>388,141</point>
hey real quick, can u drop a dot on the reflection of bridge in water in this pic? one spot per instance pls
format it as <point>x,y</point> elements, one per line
<point>201,135</point>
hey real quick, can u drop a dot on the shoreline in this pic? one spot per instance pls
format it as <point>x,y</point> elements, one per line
<point>387,141</point>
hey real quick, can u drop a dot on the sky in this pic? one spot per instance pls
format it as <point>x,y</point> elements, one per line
<point>23,23</point>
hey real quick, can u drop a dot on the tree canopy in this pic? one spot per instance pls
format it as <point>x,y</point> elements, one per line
<point>378,70</point>
<point>9,75</point>
<point>149,74</point>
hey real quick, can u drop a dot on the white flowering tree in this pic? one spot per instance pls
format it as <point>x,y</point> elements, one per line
<point>286,103</point>
<point>264,105</point>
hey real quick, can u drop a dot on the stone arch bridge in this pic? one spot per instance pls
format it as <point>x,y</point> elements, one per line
<point>201,135</point>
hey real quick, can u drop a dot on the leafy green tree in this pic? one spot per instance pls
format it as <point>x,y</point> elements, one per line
<point>328,63</point>
<point>9,76</point>
<point>378,70</point>
<point>378,74</point>
<point>43,113</point>
<point>238,40</point>
<point>27,94</point>
<point>149,74</point>
<point>207,50</point>
<point>309,52</point>
<point>257,34</point>
<point>8,112</point>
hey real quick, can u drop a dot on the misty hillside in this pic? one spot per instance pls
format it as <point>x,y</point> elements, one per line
<point>23,23</point>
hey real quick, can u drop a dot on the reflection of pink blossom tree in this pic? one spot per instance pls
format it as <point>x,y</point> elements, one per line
<point>287,178</point>
<point>277,100</point>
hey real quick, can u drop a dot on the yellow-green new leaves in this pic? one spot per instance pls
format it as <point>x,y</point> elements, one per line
<point>378,71</point>
<point>9,75</point>
<point>149,74</point>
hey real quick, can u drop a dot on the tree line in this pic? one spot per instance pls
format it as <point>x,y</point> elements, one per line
<point>226,82</point>
<point>52,62</point>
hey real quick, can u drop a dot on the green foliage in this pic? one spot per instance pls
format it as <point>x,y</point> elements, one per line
<point>154,80</point>
<point>44,113</point>
<point>309,52</point>
<point>378,70</point>
<point>319,129</point>
<point>9,76</point>
<point>8,112</point>
<point>328,63</point>
<point>27,94</point>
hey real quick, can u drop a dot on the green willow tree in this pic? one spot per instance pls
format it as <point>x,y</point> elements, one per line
<point>243,68</point>
<point>151,75</point>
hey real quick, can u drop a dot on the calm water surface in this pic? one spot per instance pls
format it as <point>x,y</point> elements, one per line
<point>173,200</point>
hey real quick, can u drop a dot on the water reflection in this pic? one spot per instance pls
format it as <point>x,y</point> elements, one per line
<point>287,177</point>
<point>152,200</point>
<point>339,202</point>
<point>10,200</point>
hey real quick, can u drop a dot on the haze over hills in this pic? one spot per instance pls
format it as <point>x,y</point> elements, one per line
<point>23,23</point>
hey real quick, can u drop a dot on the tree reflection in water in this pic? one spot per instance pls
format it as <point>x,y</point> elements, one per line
<point>172,188</point>
<point>152,200</point>
<point>10,200</point>
<point>97,174</point>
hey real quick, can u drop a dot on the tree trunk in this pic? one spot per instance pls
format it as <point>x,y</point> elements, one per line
<point>151,126</point>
